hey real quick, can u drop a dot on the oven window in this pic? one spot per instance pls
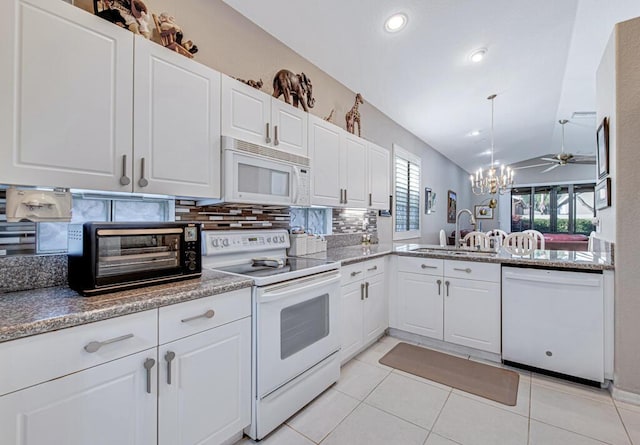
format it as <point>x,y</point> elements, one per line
<point>303,324</point>
<point>119,255</point>
<point>263,181</point>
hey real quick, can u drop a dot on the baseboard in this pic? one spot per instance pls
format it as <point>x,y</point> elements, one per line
<point>444,346</point>
<point>624,396</point>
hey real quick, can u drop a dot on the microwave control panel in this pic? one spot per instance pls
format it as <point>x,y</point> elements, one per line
<point>244,242</point>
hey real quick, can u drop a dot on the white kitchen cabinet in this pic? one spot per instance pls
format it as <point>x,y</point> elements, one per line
<point>347,171</point>
<point>554,320</point>
<point>420,304</point>
<point>205,398</point>
<point>379,177</point>
<point>113,403</point>
<point>363,307</point>
<point>177,124</point>
<point>253,116</point>
<point>66,97</point>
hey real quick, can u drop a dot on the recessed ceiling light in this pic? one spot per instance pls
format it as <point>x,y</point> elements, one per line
<point>478,55</point>
<point>474,133</point>
<point>396,22</point>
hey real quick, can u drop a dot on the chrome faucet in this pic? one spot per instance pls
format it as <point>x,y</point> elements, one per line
<point>472,220</point>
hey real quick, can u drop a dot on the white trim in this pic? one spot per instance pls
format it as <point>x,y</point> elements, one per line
<point>398,151</point>
<point>625,396</point>
<point>547,184</point>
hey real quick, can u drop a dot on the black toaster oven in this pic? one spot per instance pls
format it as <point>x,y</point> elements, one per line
<point>106,257</point>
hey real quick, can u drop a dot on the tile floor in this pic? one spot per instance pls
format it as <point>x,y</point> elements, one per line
<point>373,404</point>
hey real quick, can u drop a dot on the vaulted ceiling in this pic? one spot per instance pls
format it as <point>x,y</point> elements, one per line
<point>541,61</point>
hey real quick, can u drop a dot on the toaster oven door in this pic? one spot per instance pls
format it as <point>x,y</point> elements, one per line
<point>137,254</point>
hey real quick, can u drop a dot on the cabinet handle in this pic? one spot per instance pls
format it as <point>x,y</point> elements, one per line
<point>446,283</point>
<point>370,200</point>
<point>275,135</point>
<point>124,179</point>
<point>148,365</point>
<point>142,182</point>
<point>268,138</point>
<point>372,268</point>
<point>169,356</point>
<point>390,204</point>
<point>95,345</point>
<point>209,314</point>
<point>467,270</point>
<point>355,272</point>
<point>439,285</point>
<point>343,200</point>
<point>366,290</point>
<point>345,196</point>
<point>425,266</point>
<point>362,291</point>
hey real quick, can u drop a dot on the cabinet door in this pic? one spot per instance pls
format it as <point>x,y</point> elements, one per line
<point>208,399</point>
<point>354,172</point>
<point>379,172</point>
<point>472,314</point>
<point>66,97</point>
<point>376,312</point>
<point>290,126</point>
<point>421,303</point>
<point>351,327</point>
<point>324,151</point>
<point>105,405</point>
<point>246,112</point>
<point>177,123</point>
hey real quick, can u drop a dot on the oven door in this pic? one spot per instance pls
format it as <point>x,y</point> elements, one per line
<point>257,180</point>
<point>297,327</point>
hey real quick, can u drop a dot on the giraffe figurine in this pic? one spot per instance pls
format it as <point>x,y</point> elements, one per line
<point>353,116</point>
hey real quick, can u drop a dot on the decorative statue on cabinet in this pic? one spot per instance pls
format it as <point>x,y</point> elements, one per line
<point>130,14</point>
<point>294,86</point>
<point>353,116</point>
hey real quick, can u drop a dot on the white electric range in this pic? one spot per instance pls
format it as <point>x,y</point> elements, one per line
<point>295,320</point>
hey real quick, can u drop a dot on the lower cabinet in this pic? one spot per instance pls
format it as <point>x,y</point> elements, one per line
<point>205,386</point>
<point>455,301</point>
<point>364,308</point>
<point>113,403</point>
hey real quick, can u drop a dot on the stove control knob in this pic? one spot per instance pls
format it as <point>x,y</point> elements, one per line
<point>269,239</point>
<point>225,242</point>
<point>282,238</point>
<point>214,242</point>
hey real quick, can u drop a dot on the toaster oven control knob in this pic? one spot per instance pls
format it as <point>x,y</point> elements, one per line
<point>191,255</point>
<point>191,265</point>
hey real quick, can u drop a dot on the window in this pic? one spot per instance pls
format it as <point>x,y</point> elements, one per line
<point>407,194</point>
<point>52,237</point>
<point>315,220</point>
<point>553,208</point>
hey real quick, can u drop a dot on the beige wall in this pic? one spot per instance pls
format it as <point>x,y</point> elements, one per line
<point>627,182</point>
<point>231,44</point>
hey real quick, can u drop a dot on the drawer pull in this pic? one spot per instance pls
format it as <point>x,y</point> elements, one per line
<point>372,268</point>
<point>366,290</point>
<point>439,286</point>
<point>95,345</point>
<point>355,272</point>
<point>209,314</point>
<point>446,283</point>
<point>467,270</point>
<point>425,266</point>
<point>148,365</point>
<point>362,291</point>
<point>549,353</point>
<point>169,356</point>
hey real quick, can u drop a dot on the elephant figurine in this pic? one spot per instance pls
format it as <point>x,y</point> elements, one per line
<point>295,86</point>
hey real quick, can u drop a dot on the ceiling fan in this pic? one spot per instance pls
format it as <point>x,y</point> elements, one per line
<point>562,158</point>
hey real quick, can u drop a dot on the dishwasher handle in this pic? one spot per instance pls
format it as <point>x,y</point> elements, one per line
<point>564,280</point>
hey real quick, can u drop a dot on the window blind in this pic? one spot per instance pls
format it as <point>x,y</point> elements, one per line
<point>407,194</point>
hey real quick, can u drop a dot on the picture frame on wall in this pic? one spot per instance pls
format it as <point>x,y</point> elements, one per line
<point>602,154</point>
<point>603,194</point>
<point>452,202</point>
<point>483,212</point>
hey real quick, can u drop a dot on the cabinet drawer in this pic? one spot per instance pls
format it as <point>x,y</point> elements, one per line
<point>179,320</point>
<point>374,267</point>
<point>472,270</point>
<point>352,273</point>
<point>427,266</point>
<point>43,357</point>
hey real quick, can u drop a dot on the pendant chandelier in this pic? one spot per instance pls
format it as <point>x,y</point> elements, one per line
<point>490,182</point>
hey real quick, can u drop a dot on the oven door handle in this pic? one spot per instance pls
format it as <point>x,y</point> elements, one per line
<point>295,288</point>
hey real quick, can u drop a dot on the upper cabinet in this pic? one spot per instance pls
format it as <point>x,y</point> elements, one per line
<point>347,171</point>
<point>176,123</point>
<point>66,97</point>
<point>67,110</point>
<point>253,116</point>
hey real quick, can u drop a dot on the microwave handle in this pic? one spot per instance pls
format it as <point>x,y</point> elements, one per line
<point>269,297</point>
<point>296,183</point>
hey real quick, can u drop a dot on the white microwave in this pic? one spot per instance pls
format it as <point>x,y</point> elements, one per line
<point>254,174</point>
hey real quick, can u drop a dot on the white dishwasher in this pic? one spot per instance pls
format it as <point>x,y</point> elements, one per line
<point>554,320</point>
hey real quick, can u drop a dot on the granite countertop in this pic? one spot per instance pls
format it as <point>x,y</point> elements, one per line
<point>554,259</point>
<point>38,311</point>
